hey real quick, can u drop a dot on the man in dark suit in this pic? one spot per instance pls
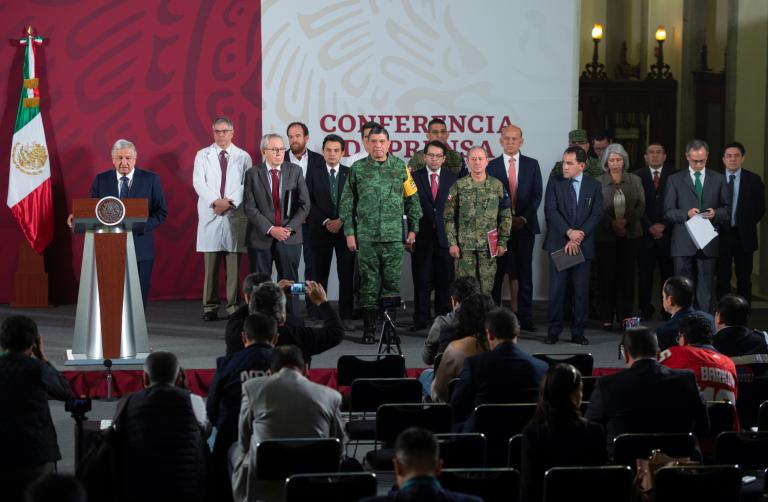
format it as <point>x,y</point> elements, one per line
<point>574,208</point>
<point>734,337</point>
<point>654,246</point>
<point>417,467</point>
<point>738,237</point>
<point>276,204</point>
<point>325,184</point>
<point>647,397</point>
<point>521,177</point>
<point>677,301</point>
<point>504,374</point>
<point>128,181</point>
<point>691,192</point>
<point>431,265</point>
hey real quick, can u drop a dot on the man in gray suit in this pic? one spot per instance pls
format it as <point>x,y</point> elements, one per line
<point>276,204</point>
<point>284,404</point>
<point>691,192</point>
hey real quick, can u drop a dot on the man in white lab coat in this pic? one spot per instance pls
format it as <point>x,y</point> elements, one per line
<point>218,180</point>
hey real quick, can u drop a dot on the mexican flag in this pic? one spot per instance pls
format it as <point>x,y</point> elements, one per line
<point>29,180</point>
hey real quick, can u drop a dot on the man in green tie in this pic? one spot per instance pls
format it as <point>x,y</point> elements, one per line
<point>696,193</point>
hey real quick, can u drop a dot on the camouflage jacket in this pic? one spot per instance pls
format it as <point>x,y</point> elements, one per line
<point>473,209</point>
<point>592,168</point>
<point>454,162</point>
<point>373,200</point>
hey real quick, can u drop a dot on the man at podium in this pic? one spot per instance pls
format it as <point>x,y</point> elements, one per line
<point>127,181</point>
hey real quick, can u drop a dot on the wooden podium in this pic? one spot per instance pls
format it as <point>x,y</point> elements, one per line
<point>110,322</point>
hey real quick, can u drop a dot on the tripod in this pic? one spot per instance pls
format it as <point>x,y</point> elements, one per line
<point>389,336</point>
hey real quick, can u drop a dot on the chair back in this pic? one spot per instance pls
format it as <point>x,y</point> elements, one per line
<point>627,448</point>
<point>499,422</point>
<point>584,362</point>
<point>747,449</point>
<point>588,385</point>
<point>762,417</point>
<point>610,483</point>
<point>350,367</point>
<point>277,459</point>
<point>699,482</point>
<point>722,417</point>
<point>752,392</point>
<point>462,450</point>
<point>392,419</point>
<point>491,485</point>
<point>514,458</point>
<point>367,394</point>
<point>336,486</point>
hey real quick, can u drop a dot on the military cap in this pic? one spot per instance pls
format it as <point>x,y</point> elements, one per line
<point>577,136</point>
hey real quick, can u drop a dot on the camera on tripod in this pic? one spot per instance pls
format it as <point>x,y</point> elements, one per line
<point>389,337</point>
<point>78,407</point>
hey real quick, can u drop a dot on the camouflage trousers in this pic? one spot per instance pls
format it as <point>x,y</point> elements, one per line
<point>380,264</point>
<point>477,264</point>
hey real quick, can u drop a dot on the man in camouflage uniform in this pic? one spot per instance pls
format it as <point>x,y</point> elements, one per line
<point>578,137</point>
<point>476,205</point>
<point>438,131</point>
<point>371,210</point>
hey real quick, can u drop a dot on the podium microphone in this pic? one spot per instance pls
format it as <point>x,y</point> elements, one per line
<point>108,365</point>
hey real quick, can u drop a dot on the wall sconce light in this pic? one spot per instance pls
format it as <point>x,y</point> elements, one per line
<point>660,70</point>
<point>595,69</point>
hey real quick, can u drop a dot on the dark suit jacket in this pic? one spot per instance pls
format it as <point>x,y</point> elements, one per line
<point>321,206</point>
<point>654,205</point>
<point>529,188</point>
<point>432,211</point>
<point>259,208</point>
<point>734,341</point>
<point>588,216</point>
<point>145,185</point>
<point>680,196</point>
<point>667,331</point>
<point>423,494</point>
<point>505,374</point>
<point>750,208</point>
<point>648,397</point>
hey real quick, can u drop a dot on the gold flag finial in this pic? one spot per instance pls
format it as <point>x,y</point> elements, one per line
<point>30,30</point>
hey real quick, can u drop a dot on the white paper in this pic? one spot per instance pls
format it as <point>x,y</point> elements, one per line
<point>701,231</point>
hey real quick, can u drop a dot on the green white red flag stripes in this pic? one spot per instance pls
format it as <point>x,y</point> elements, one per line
<point>29,179</point>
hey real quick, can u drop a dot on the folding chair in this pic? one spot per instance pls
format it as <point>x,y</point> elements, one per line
<point>588,385</point>
<point>367,394</point>
<point>627,448</point>
<point>762,417</point>
<point>697,482</point>
<point>336,486</point>
<point>499,422</point>
<point>584,362</point>
<point>752,392</point>
<point>392,419</point>
<point>276,459</point>
<point>747,449</point>
<point>514,458</point>
<point>462,450</point>
<point>610,483</point>
<point>350,367</point>
<point>492,485</point>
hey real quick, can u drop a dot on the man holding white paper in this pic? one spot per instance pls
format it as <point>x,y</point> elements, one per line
<point>695,192</point>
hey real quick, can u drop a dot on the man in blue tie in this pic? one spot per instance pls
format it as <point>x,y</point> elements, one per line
<point>573,208</point>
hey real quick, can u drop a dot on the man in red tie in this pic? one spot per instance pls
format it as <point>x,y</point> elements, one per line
<point>218,180</point>
<point>276,204</point>
<point>521,177</point>
<point>431,265</point>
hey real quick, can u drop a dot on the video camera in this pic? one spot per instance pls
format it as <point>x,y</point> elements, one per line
<point>78,407</point>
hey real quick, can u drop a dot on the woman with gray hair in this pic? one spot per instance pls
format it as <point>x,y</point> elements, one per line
<point>618,235</point>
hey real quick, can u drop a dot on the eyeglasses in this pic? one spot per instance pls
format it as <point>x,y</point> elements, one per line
<point>435,155</point>
<point>275,150</point>
<point>222,131</point>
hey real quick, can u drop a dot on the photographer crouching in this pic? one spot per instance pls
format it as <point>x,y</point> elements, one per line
<point>27,380</point>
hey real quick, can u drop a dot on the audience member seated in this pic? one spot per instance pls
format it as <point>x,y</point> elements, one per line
<point>558,436</point>
<point>269,299</point>
<point>284,404</point>
<point>677,300</point>
<point>234,329</point>
<point>28,444</point>
<point>734,338</point>
<point>461,288</point>
<point>647,397</point>
<point>417,467</point>
<point>715,372</point>
<point>224,397</point>
<point>56,488</point>
<point>471,340</point>
<point>161,446</point>
<point>505,374</point>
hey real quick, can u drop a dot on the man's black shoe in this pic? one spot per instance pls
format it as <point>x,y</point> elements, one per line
<point>210,316</point>
<point>580,340</point>
<point>527,326</point>
<point>550,340</point>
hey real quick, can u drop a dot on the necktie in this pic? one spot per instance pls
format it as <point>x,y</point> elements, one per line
<point>656,180</point>
<point>434,186</point>
<point>698,186</point>
<point>731,188</point>
<point>123,187</point>
<point>276,195</point>
<point>512,175</point>
<point>223,163</point>
<point>572,203</point>
<point>334,187</point>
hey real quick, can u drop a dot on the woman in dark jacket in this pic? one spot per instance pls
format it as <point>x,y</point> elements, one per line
<point>558,435</point>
